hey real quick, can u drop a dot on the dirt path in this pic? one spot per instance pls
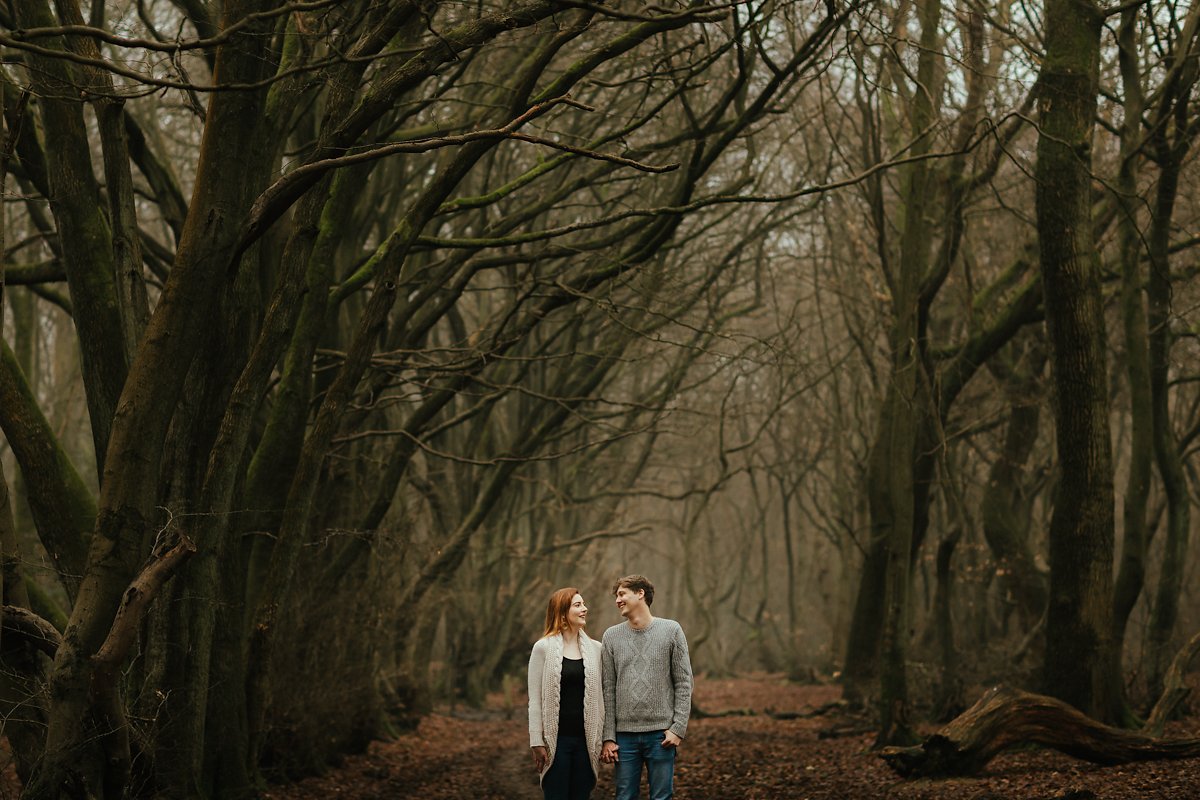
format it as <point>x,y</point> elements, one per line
<point>484,756</point>
<point>448,756</point>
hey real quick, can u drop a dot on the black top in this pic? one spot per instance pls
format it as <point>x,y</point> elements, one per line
<point>570,701</point>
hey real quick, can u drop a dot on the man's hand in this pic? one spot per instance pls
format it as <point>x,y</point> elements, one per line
<point>609,754</point>
<point>540,756</point>
<point>671,740</point>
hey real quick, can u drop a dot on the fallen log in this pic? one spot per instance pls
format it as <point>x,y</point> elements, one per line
<point>1005,717</point>
<point>699,713</point>
<point>1175,690</point>
<point>834,705</point>
<point>819,711</point>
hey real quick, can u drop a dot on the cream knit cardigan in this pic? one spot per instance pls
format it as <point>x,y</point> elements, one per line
<point>545,683</point>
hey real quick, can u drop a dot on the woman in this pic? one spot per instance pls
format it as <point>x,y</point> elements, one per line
<point>566,708</point>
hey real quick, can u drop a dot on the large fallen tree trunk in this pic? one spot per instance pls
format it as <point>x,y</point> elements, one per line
<point>1005,717</point>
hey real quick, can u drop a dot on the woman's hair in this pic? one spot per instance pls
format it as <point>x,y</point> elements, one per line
<point>558,609</point>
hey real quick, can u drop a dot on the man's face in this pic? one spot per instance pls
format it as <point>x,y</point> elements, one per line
<point>628,600</point>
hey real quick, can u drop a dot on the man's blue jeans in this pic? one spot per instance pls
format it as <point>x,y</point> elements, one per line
<point>637,749</point>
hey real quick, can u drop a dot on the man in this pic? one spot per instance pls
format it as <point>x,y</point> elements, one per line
<point>647,692</point>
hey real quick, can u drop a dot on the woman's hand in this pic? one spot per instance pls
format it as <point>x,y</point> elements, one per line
<point>540,756</point>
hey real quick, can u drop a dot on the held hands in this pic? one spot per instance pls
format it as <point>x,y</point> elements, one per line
<point>608,755</point>
<point>540,756</point>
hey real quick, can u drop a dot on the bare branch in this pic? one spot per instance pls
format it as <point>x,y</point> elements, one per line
<point>25,35</point>
<point>288,189</point>
<point>32,629</point>
<point>135,602</point>
<point>710,13</point>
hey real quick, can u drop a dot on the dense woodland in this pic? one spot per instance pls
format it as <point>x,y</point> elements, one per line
<point>338,333</point>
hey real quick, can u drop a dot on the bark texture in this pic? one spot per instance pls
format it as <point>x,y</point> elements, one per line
<point>1005,717</point>
<point>1079,617</point>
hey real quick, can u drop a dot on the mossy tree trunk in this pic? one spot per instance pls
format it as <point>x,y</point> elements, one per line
<point>85,236</point>
<point>893,472</point>
<point>1079,616</point>
<point>127,521</point>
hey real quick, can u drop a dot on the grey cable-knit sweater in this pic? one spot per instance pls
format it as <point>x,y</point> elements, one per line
<point>647,679</point>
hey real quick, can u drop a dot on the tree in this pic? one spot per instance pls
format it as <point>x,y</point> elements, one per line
<point>941,368</point>
<point>1078,623</point>
<point>1168,151</point>
<point>244,322</point>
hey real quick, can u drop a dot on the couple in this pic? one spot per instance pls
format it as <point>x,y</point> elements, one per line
<point>625,702</point>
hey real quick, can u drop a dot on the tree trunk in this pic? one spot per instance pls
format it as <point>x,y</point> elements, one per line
<point>861,667</point>
<point>22,669</point>
<point>129,494</point>
<point>59,500</point>
<point>1170,155</point>
<point>949,700</point>
<point>893,648</point>
<point>1079,616</point>
<point>1132,571</point>
<point>1005,507</point>
<point>906,394</point>
<point>83,232</point>
<point>1005,717</point>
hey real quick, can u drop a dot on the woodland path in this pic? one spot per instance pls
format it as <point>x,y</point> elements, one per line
<point>482,755</point>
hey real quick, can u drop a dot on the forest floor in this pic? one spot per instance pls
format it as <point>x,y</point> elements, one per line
<point>461,755</point>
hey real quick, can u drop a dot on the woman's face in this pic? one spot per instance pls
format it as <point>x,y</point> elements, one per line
<point>577,614</point>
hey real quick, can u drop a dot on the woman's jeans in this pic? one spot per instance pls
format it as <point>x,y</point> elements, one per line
<point>570,777</point>
<point>637,749</point>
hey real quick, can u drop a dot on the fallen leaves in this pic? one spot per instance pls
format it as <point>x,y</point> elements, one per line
<point>748,756</point>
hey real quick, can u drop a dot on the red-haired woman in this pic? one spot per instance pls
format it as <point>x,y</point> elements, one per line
<point>566,706</point>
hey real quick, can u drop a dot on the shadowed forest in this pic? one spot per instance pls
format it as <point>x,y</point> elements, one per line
<point>337,334</point>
